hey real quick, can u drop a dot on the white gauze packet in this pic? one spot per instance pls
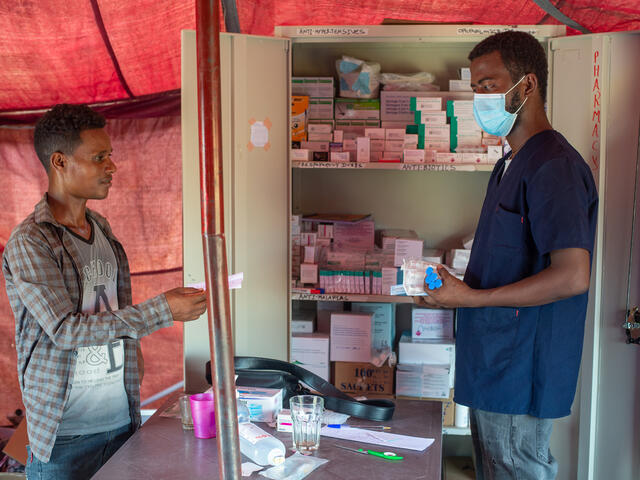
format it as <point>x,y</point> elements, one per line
<point>414,272</point>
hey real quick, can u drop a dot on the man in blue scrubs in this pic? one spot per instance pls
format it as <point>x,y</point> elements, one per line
<point>522,305</point>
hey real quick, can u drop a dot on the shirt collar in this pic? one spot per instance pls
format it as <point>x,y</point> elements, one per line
<point>43,214</point>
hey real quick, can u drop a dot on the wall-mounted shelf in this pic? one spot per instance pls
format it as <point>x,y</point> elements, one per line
<point>351,297</point>
<point>405,167</point>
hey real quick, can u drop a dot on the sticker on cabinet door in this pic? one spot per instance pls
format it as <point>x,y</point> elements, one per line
<point>332,31</point>
<point>259,134</point>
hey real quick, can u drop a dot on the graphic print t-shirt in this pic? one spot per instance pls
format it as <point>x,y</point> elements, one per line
<point>97,401</point>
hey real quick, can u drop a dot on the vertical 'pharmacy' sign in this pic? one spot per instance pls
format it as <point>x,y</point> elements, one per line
<point>596,97</point>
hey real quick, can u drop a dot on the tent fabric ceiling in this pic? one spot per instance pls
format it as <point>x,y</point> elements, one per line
<point>57,51</point>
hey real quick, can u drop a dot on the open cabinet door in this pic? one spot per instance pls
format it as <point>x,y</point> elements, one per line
<point>596,105</point>
<point>255,130</point>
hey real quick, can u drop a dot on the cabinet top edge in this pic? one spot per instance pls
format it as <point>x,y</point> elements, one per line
<point>367,32</point>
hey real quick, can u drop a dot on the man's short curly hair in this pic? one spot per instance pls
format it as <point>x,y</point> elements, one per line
<point>521,54</point>
<point>59,130</point>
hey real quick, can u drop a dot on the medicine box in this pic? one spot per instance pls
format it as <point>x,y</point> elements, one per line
<point>375,133</point>
<point>431,323</point>
<point>284,422</point>
<point>311,352</point>
<point>413,156</point>
<point>312,86</point>
<point>406,248</point>
<point>431,352</point>
<point>299,115</point>
<point>263,403</point>
<point>431,117</point>
<point>363,147</point>
<point>383,327</point>
<point>389,279</point>
<point>357,236</point>
<point>303,321</point>
<point>357,109</point>
<point>319,137</point>
<point>300,155</point>
<point>431,104</point>
<point>363,378</point>
<point>350,337</point>
<point>458,258</point>
<point>395,107</point>
<point>308,273</point>
<point>376,145</point>
<point>340,156</point>
<point>320,109</point>
<point>460,85</point>
<point>424,381</point>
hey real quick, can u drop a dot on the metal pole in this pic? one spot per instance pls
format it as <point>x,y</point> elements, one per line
<point>215,258</point>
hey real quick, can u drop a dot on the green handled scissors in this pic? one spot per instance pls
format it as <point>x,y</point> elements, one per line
<point>385,455</point>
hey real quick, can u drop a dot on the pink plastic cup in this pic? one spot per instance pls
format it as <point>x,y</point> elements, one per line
<point>203,414</point>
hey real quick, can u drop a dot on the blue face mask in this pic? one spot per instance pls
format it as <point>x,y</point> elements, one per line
<point>490,113</point>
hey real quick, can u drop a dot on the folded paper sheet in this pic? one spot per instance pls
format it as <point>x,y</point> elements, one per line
<point>378,438</point>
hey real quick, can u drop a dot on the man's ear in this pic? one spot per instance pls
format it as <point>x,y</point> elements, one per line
<point>530,84</point>
<point>57,161</point>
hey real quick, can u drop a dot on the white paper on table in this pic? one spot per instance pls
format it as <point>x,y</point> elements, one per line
<point>172,411</point>
<point>329,417</point>
<point>235,281</point>
<point>248,468</point>
<point>378,438</point>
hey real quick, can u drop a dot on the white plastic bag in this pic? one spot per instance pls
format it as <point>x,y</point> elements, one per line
<point>295,467</point>
<point>414,274</point>
<point>358,79</point>
<point>412,82</point>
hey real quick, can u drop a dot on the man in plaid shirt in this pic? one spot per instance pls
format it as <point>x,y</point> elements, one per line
<point>77,332</point>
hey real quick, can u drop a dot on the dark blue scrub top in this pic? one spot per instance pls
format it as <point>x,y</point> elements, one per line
<point>525,360</point>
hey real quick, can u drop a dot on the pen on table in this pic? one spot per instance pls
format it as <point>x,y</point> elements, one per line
<point>376,427</point>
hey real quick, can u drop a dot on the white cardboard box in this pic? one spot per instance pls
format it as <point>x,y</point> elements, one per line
<point>383,329</point>
<point>427,352</point>
<point>303,321</point>
<point>430,381</point>
<point>406,248</point>
<point>431,352</point>
<point>350,337</point>
<point>431,323</point>
<point>311,351</point>
<point>264,404</point>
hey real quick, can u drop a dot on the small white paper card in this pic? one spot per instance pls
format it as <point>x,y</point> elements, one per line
<point>235,281</point>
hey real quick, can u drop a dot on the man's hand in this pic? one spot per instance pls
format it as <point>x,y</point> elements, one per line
<point>453,293</point>
<point>186,303</point>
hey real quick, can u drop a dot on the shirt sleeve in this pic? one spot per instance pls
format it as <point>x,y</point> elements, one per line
<point>39,286</point>
<point>561,199</point>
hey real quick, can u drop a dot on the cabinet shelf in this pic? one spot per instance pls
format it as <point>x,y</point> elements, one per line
<point>406,167</point>
<point>351,297</point>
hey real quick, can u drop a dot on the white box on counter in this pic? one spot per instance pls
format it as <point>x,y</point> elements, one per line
<point>264,404</point>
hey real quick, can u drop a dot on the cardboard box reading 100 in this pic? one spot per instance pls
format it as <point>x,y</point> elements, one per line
<point>363,378</point>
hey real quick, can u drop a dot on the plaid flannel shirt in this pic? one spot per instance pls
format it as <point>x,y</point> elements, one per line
<point>44,288</point>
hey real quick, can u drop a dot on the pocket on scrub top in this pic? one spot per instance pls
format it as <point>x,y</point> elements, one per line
<point>507,229</point>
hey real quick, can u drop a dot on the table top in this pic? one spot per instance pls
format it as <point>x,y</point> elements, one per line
<point>162,450</point>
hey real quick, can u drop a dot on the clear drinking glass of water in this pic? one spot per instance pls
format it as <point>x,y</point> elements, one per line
<point>306,416</point>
